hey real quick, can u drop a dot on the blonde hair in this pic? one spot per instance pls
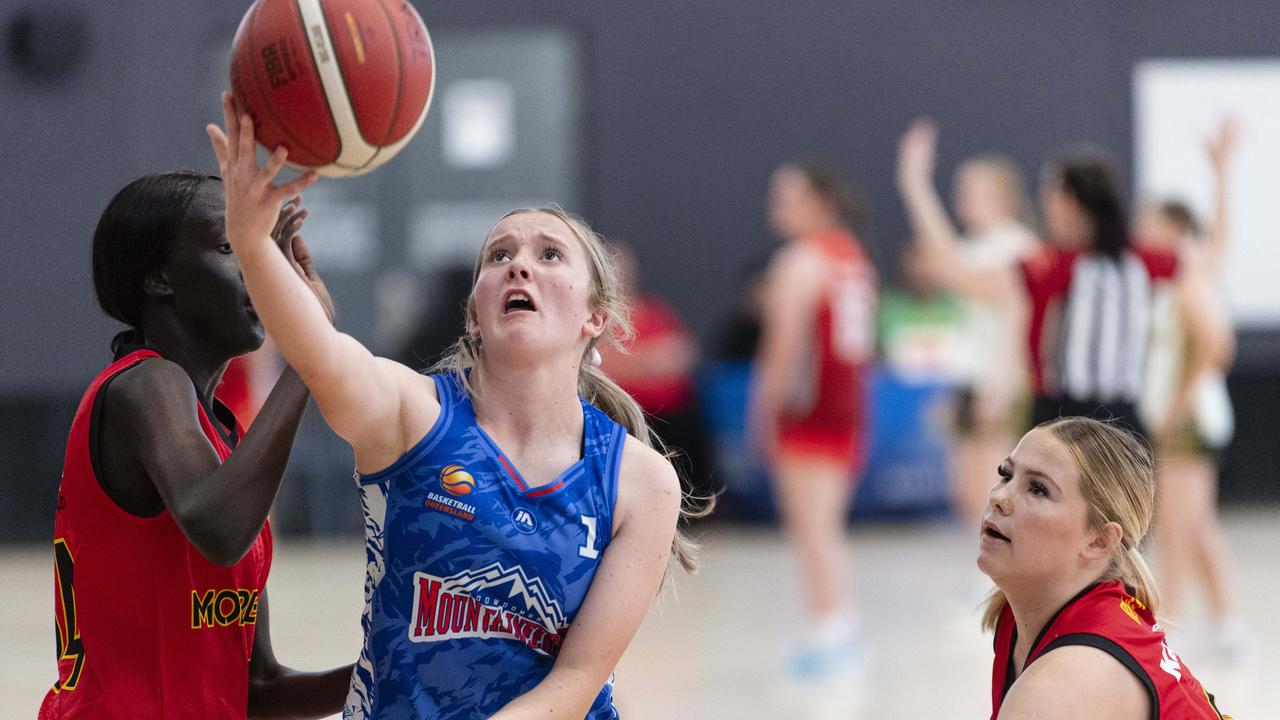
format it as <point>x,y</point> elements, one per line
<point>593,384</point>
<point>1012,184</point>
<point>1117,479</point>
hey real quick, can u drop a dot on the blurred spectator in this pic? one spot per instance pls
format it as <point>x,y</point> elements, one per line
<point>740,337</point>
<point>658,369</point>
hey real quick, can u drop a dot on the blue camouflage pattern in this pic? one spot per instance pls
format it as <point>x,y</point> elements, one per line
<point>473,578</point>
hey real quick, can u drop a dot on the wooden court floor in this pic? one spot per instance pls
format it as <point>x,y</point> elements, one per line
<point>716,647</point>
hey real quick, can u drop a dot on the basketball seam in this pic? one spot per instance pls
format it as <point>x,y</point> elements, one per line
<point>315,64</point>
<point>400,79</point>
<point>270,108</point>
<point>331,86</point>
<point>342,77</point>
<point>395,147</point>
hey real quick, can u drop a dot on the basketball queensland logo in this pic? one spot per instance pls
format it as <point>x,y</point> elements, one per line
<point>492,602</point>
<point>456,481</point>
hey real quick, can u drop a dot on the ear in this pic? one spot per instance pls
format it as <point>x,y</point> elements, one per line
<point>1106,540</point>
<point>595,324</point>
<point>471,321</point>
<point>156,284</point>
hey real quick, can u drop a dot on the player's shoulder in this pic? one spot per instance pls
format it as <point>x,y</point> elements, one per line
<point>420,398</point>
<point>1076,681</point>
<point>799,258</point>
<point>416,390</point>
<point>1157,258</point>
<point>403,374</point>
<point>1048,269</point>
<point>151,382</point>
<point>792,272</point>
<point>1045,257</point>
<point>646,473</point>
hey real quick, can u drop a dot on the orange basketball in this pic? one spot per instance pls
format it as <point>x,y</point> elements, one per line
<point>457,480</point>
<point>342,84</point>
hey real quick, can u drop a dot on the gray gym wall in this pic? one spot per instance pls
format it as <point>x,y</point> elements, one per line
<point>686,106</point>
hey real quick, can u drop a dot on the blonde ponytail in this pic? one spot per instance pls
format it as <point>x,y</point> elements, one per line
<point>991,609</point>
<point>600,390</point>
<point>1130,567</point>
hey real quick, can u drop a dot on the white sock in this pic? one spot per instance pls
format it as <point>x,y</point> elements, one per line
<point>834,628</point>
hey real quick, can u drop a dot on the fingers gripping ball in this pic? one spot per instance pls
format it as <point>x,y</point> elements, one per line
<point>342,84</point>
<point>457,480</point>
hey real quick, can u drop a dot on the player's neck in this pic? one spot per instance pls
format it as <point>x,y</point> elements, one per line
<point>819,230</point>
<point>1034,607</point>
<point>984,226</point>
<point>526,404</point>
<point>176,345</point>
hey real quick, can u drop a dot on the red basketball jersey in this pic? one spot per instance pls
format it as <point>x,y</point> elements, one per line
<point>843,340</point>
<point>146,627</point>
<point>1105,617</point>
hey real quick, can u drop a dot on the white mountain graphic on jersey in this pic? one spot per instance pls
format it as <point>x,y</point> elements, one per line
<point>531,590</point>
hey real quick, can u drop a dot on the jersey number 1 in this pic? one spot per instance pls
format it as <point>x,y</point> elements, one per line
<point>588,550</point>
<point>66,631</point>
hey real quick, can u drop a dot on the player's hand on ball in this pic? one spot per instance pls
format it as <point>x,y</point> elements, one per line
<point>253,198</point>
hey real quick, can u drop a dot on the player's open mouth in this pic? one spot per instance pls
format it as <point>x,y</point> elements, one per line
<point>518,301</point>
<point>990,531</point>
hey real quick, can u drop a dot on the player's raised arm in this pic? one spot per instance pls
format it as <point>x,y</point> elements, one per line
<point>359,394</point>
<point>931,228</point>
<point>1221,150</point>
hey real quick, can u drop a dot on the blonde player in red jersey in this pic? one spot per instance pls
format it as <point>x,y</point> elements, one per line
<point>1074,612</point>
<point>808,409</point>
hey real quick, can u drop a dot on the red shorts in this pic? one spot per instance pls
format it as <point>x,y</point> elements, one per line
<point>807,441</point>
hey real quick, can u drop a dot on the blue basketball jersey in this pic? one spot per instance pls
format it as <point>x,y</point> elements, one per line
<point>473,577</point>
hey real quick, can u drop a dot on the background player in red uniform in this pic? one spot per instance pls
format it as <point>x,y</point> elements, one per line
<point>161,545</point>
<point>1074,612</point>
<point>809,402</point>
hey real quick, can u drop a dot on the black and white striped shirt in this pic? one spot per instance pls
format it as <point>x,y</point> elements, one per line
<point>1090,322</point>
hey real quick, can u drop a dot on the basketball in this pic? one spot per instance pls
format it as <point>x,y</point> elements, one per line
<point>456,480</point>
<point>343,85</point>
